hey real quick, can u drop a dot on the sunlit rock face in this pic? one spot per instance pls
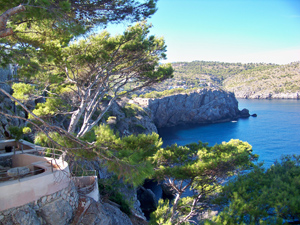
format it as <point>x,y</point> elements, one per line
<point>200,107</point>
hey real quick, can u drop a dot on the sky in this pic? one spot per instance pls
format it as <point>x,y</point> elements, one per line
<point>246,31</point>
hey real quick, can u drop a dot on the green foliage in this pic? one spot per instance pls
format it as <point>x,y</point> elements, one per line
<point>22,91</point>
<point>88,72</point>
<point>26,130</point>
<point>108,189</point>
<point>111,118</point>
<point>80,74</point>
<point>198,167</point>
<point>16,132</point>
<point>49,108</point>
<point>162,214</point>
<point>44,26</point>
<point>132,154</point>
<point>140,126</point>
<point>263,196</point>
<point>235,77</point>
<point>132,110</point>
<point>156,94</point>
<point>42,140</point>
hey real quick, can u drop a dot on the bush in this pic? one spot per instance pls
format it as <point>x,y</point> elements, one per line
<point>107,189</point>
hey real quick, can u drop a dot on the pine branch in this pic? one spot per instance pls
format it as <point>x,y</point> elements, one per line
<point>4,18</point>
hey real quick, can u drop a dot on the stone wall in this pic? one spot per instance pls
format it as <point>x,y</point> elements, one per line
<point>57,209</point>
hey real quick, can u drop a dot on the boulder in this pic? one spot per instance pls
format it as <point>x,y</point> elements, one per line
<point>147,199</point>
<point>96,213</point>
<point>25,215</point>
<point>58,212</point>
<point>244,113</point>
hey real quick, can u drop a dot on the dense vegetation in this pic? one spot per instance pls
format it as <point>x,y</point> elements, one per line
<point>199,168</point>
<point>236,77</point>
<point>263,196</point>
<point>159,94</point>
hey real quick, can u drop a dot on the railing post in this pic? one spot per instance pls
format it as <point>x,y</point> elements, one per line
<point>18,174</point>
<point>63,159</point>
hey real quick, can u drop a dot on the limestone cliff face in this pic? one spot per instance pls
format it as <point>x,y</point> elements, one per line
<point>265,94</point>
<point>128,118</point>
<point>200,107</point>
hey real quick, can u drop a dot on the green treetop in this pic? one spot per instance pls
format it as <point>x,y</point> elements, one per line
<point>76,78</point>
<point>199,168</point>
<point>263,196</point>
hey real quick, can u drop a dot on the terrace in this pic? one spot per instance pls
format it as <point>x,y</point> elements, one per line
<point>26,175</point>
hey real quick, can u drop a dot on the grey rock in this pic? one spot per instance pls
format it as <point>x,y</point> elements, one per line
<point>263,94</point>
<point>244,113</point>
<point>18,171</point>
<point>168,191</point>
<point>117,216</point>
<point>102,214</point>
<point>25,216</point>
<point>58,212</point>
<point>127,124</point>
<point>200,107</point>
<point>147,199</point>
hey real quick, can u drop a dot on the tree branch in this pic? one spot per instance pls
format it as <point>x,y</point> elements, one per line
<point>5,16</point>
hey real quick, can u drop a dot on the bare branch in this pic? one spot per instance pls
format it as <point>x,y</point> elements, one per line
<point>4,18</point>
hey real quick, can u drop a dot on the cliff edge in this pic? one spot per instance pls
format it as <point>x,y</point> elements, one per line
<point>200,107</point>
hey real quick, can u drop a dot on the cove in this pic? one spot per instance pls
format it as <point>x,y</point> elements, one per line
<point>274,132</point>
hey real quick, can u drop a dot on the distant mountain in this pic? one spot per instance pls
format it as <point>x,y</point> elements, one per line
<point>274,82</point>
<point>252,80</point>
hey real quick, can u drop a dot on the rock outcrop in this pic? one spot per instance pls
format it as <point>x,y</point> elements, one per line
<point>200,107</point>
<point>147,199</point>
<point>7,106</point>
<point>128,118</point>
<point>97,213</point>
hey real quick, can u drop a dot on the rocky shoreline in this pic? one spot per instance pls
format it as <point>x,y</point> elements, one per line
<point>266,95</point>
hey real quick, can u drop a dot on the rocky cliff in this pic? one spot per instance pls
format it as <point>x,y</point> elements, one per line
<point>7,106</point>
<point>264,94</point>
<point>128,118</point>
<point>200,107</point>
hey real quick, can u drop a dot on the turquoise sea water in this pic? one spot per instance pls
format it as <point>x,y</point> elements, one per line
<point>275,131</point>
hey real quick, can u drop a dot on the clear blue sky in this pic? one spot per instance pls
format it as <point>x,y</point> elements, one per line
<point>228,30</point>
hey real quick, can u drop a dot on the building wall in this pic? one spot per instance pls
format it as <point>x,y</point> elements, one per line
<point>57,208</point>
<point>16,193</point>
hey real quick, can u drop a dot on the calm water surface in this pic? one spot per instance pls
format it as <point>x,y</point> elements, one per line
<point>275,131</point>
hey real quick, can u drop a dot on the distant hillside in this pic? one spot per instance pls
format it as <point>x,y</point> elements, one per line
<point>275,82</point>
<point>252,80</point>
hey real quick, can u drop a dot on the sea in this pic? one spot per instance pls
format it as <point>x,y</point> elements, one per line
<point>273,133</point>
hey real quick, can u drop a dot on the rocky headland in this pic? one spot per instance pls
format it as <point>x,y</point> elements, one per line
<point>200,107</point>
<point>203,106</point>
